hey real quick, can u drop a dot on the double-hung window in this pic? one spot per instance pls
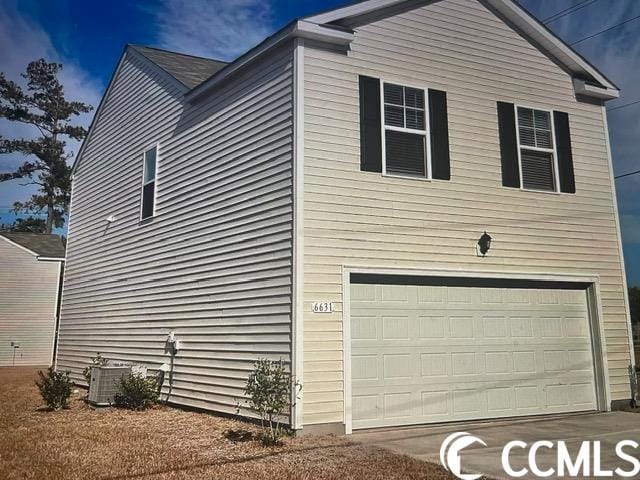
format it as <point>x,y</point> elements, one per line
<point>405,145</point>
<point>150,159</point>
<point>538,163</point>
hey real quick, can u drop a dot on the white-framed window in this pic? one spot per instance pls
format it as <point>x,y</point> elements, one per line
<point>405,145</point>
<point>149,172</point>
<point>537,149</point>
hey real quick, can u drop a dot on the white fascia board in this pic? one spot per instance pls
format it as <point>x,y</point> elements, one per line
<point>583,88</point>
<point>542,36</point>
<point>296,29</point>
<point>98,112</point>
<point>129,50</point>
<point>528,25</point>
<point>314,31</point>
<point>50,259</point>
<point>352,10</point>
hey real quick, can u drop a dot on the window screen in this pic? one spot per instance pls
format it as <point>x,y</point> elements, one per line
<point>537,161</point>
<point>405,130</point>
<point>405,153</point>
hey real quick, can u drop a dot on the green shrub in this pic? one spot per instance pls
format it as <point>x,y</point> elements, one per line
<point>136,392</point>
<point>97,361</point>
<point>269,388</point>
<point>55,388</point>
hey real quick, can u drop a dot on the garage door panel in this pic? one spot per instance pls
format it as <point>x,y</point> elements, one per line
<point>433,354</point>
<point>475,401</point>
<point>464,297</point>
<point>437,326</point>
<point>443,368</point>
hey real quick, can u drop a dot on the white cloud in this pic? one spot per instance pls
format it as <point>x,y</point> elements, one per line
<point>221,29</point>
<point>23,40</point>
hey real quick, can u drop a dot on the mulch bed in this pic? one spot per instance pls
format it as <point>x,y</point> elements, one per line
<point>167,443</point>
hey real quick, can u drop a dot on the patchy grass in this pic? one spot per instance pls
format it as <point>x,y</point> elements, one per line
<point>166,443</point>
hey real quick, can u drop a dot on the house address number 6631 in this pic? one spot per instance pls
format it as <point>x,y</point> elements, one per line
<point>322,307</point>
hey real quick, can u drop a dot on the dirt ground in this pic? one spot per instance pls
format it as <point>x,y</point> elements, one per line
<point>166,443</point>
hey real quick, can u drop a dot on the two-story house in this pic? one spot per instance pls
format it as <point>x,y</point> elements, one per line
<point>324,199</point>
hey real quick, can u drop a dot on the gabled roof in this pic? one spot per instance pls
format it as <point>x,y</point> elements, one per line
<point>585,75</point>
<point>198,75</point>
<point>40,244</point>
<point>295,29</point>
<point>187,69</point>
<point>336,25</point>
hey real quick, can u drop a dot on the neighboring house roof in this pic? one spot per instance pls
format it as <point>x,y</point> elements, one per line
<point>40,244</point>
<point>187,69</point>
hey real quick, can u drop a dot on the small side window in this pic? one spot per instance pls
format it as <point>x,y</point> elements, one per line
<point>149,183</point>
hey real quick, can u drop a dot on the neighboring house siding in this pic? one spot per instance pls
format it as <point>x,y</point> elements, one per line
<point>214,265</point>
<point>362,219</point>
<point>28,297</point>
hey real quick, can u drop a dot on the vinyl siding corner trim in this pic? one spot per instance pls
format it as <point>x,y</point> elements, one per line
<point>297,319</point>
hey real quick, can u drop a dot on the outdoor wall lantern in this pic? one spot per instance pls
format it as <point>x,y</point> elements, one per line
<point>484,244</point>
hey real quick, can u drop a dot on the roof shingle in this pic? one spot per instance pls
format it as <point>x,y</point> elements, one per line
<point>187,69</point>
<point>42,244</point>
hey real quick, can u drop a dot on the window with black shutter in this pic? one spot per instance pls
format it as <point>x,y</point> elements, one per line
<point>405,149</point>
<point>150,158</point>
<point>404,131</point>
<point>538,162</point>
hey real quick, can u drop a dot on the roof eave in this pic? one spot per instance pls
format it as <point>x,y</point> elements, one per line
<point>295,29</point>
<point>582,87</point>
<point>539,34</point>
<point>530,27</point>
<point>44,258</point>
<point>357,9</point>
<point>129,49</point>
<point>21,247</point>
<point>76,160</point>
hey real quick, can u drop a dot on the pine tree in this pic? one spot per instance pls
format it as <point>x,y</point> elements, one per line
<point>43,105</point>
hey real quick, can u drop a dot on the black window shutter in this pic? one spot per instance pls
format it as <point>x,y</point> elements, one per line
<point>370,125</point>
<point>439,125</point>
<point>563,147</point>
<point>508,145</point>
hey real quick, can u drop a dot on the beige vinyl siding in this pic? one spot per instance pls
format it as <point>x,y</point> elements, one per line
<point>214,264</point>
<point>28,298</point>
<point>363,219</point>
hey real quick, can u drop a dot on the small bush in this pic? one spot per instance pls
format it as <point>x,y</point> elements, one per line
<point>269,388</point>
<point>55,388</point>
<point>136,392</point>
<point>97,361</point>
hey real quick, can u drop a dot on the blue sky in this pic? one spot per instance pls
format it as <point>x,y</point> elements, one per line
<point>88,38</point>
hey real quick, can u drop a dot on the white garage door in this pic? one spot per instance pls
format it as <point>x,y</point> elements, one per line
<point>423,354</point>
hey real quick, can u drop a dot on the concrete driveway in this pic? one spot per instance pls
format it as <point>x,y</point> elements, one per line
<point>424,442</point>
